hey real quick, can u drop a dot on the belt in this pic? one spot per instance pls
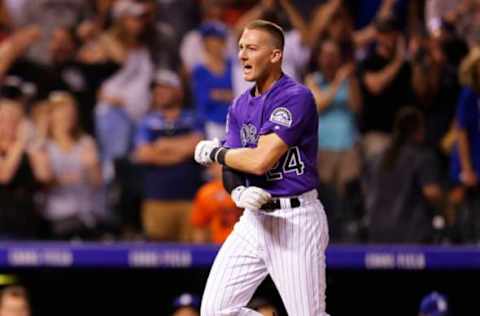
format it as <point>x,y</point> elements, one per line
<point>279,203</point>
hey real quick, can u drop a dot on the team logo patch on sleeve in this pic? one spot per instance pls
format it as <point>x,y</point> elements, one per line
<point>281,116</point>
<point>248,134</point>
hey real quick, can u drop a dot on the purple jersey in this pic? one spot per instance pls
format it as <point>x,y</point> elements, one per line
<point>287,109</point>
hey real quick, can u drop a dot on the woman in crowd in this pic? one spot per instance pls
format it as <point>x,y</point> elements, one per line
<point>72,197</point>
<point>23,165</point>
<point>403,185</point>
<point>337,95</point>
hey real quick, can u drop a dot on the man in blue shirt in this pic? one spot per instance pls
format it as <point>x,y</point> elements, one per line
<point>164,145</point>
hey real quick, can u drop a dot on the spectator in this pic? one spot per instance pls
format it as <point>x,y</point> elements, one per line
<point>164,33</point>
<point>388,82</point>
<point>43,77</point>
<point>186,305</point>
<point>125,97</point>
<point>402,186</point>
<point>192,51</point>
<point>176,19</point>
<point>14,47</point>
<point>81,70</point>
<point>465,164</point>
<point>338,98</point>
<point>333,19</point>
<point>214,213</point>
<point>442,87</point>
<point>212,81</point>
<point>72,200</point>
<point>433,304</point>
<point>454,45</point>
<point>22,168</point>
<point>14,301</point>
<point>49,15</point>
<point>468,116</point>
<point>164,145</point>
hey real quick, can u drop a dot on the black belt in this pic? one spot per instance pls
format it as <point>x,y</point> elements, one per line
<point>275,204</point>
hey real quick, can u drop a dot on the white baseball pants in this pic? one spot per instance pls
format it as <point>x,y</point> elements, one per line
<point>289,244</point>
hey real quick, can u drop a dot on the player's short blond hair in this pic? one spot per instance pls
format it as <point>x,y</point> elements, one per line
<point>274,30</point>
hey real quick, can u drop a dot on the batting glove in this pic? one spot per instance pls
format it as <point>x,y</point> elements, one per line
<point>251,198</point>
<point>204,149</point>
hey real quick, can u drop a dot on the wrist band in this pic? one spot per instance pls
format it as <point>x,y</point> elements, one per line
<point>218,155</point>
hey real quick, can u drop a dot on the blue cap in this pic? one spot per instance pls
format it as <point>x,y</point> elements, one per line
<point>187,300</point>
<point>215,29</point>
<point>434,304</point>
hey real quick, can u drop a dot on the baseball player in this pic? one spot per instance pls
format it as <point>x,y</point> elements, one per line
<point>269,159</point>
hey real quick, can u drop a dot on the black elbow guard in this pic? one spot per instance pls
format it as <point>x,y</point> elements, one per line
<point>232,178</point>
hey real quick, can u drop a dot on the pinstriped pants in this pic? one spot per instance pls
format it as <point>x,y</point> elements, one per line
<point>288,244</point>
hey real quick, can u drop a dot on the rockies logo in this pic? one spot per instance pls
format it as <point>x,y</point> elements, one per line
<point>248,134</point>
<point>282,116</point>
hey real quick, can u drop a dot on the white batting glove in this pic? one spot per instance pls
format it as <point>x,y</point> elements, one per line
<point>204,149</point>
<point>252,197</point>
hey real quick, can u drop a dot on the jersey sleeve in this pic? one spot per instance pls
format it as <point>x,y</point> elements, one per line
<point>290,117</point>
<point>232,132</point>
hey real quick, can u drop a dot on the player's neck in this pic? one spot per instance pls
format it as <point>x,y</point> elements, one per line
<point>266,83</point>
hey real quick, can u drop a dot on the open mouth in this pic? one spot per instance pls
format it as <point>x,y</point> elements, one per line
<point>247,68</point>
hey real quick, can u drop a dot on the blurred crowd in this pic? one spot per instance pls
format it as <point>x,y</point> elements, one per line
<point>15,301</point>
<point>102,103</point>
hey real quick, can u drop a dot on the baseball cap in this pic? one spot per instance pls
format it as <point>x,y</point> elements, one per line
<point>187,300</point>
<point>434,304</point>
<point>166,77</point>
<point>128,8</point>
<point>215,29</point>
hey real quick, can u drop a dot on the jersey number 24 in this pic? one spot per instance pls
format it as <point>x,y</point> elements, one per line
<point>292,163</point>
